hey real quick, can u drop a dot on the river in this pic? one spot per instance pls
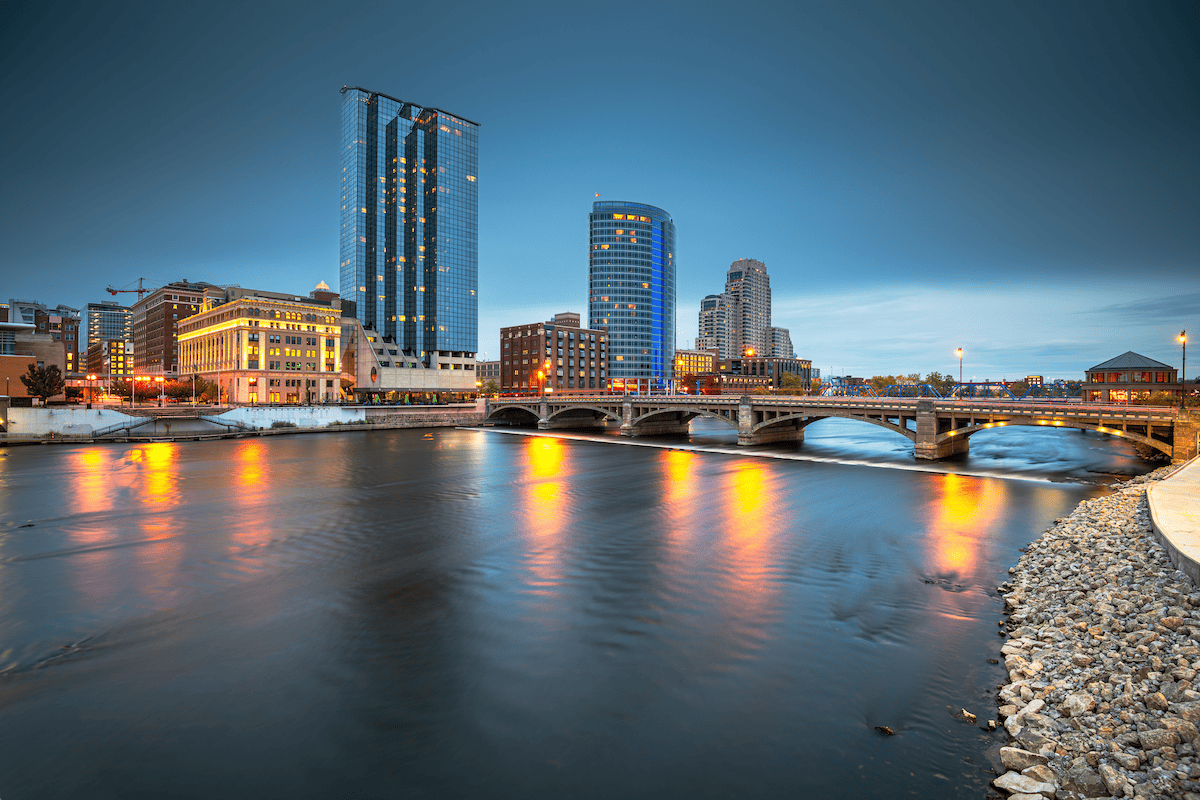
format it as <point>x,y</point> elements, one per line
<point>467,613</point>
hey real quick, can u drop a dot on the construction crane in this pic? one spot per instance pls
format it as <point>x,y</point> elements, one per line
<point>140,290</point>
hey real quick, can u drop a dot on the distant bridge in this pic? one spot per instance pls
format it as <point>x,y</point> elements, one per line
<point>937,428</point>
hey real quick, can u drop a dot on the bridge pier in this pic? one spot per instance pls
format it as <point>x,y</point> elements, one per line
<point>668,425</point>
<point>927,445</point>
<point>787,432</point>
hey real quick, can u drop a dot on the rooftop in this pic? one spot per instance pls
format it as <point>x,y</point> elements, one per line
<point>1130,360</point>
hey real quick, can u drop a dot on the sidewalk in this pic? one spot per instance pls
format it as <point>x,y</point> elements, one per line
<point>1175,515</point>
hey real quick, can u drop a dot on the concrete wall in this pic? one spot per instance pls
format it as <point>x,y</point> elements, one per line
<point>300,416</point>
<point>70,421</point>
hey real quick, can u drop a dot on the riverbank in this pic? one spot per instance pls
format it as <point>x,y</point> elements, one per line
<point>174,424</point>
<point>1102,656</point>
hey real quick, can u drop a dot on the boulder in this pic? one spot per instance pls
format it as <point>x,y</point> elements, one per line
<point>1015,758</point>
<point>1016,783</point>
<point>1152,740</point>
<point>1114,781</point>
<point>1086,781</point>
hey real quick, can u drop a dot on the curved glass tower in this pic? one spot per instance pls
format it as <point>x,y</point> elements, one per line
<point>631,291</point>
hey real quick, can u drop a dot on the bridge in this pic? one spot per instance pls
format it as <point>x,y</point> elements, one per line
<point>937,428</point>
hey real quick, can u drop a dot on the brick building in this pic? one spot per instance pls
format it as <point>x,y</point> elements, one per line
<point>573,360</point>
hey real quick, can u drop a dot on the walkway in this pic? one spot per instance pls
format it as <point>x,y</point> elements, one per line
<point>1175,513</point>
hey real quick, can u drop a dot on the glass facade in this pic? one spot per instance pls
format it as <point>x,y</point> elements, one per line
<point>409,242</point>
<point>108,321</point>
<point>631,289</point>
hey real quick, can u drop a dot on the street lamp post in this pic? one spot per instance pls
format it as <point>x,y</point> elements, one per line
<point>960,391</point>
<point>162,390</point>
<point>1183,372</point>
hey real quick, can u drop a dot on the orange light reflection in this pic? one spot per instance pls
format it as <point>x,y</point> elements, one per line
<point>544,503</point>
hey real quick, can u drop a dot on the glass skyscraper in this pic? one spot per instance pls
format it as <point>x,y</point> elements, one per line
<point>631,290</point>
<point>409,244</point>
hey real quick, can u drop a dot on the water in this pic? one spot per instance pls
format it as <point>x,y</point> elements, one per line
<point>457,613</point>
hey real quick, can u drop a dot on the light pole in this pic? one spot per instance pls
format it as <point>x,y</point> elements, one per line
<point>1183,372</point>
<point>959,353</point>
<point>162,390</point>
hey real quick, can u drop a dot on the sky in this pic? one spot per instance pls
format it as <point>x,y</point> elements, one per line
<point>1021,179</point>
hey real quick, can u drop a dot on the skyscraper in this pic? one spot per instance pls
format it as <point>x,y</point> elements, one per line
<point>409,239</point>
<point>106,321</point>
<point>749,291</point>
<point>631,290</point>
<point>714,325</point>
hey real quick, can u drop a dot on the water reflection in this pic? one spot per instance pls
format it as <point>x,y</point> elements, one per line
<point>749,536</point>
<point>157,460</point>
<point>544,513</point>
<point>962,512</point>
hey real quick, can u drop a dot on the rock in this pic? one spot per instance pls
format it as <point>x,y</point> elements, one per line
<point>1016,783</point>
<point>1154,739</point>
<point>1114,781</point>
<point>1015,758</point>
<point>885,730</point>
<point>1040,772</point>
<point>1185,730</point>
<point>1007,710</point>
<point>1086,781</point>
<point>1078,705</point>
<point>1156,701</point>
<point>1188,711</point>
<point>1127,761</point>
<point>964,715</point>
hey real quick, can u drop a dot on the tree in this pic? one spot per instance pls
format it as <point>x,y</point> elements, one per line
<point>943,383</point>
<point>687,383</point>
<point>881,382</point>
<point>1018,388</point>
<point>490,387</point>
<point>791,384</point>
<point>43,382</point>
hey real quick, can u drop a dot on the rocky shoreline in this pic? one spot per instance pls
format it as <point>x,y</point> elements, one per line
<point>1101,656</point>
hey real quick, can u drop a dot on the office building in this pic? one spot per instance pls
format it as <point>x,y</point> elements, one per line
<point>155,324</point>
<point>265,347</point>
<point>487,371</point>
<point>109,359</point>
<point>60,324</point>
<point>631,290</point>
<point>695,362</point>
<point>106,321</point>
<point>409,251</point>
<point>556,356</point>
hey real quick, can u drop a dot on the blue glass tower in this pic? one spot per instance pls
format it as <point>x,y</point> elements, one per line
<point>631,290</point>
<point>409,244</point>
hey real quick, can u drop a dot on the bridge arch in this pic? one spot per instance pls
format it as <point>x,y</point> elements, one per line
<point>808,419</point>
<point>691,411</point>
<point>960,433</point>
<point>519,414</point>
<point>605,412</point>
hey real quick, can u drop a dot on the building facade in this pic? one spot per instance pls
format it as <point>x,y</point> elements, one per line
<point>155,324</point>
<point>556,356</point>
<point>265,347</point>
<point>714,325</point>
<point>631,290</point>
<point>780,343</point>
<point>106,321</point>
<point>111,359</point>
<point>694,362</point>
<point>487,371</point>
<point>1130,377</point>
<point>409,237</point>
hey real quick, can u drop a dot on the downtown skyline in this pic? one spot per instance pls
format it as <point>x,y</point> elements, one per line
<point>1015,180</point>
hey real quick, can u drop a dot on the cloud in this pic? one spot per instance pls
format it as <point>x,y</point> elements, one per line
<point>1179,306</point>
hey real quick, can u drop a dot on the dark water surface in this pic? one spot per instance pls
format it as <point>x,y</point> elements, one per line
<point>475,614</point>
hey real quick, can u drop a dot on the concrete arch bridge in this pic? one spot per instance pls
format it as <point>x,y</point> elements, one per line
<point>937,428</point>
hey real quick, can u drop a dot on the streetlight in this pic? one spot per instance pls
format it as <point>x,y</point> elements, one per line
<point>1183,372</point>
<point>958,352</point>
<point>162,390</point>
<point>541,384</point>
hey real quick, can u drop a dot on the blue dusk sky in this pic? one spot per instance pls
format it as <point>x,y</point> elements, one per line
<point>1018,178</point>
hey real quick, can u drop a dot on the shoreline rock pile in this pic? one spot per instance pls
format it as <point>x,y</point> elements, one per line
<point>1102,657</point>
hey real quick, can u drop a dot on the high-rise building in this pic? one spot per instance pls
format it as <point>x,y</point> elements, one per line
<point>156,325</point>
<point>714,325</point>
<point>749,290</point>
<point>409,239</point>
<point>107,321</point>
<point>780,340</point>
<point>631,291</point>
